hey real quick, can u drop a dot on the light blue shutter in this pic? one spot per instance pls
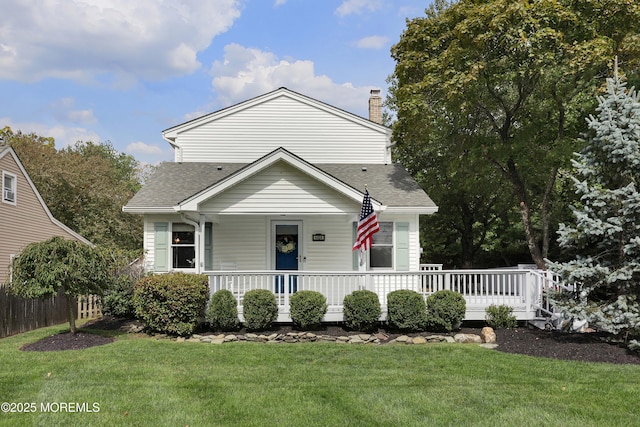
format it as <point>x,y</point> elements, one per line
<point>208,246</point>
<point>402,246</point>
<point>161,246</point>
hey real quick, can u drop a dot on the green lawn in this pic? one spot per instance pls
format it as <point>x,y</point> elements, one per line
<point>146,382</point>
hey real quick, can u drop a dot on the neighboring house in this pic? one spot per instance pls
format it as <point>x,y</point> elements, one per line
<point>24,217</point>
<point>276,183</point>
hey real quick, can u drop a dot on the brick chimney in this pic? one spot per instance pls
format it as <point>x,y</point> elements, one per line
<point>375,106</point>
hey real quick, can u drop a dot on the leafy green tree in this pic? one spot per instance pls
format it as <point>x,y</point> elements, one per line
<point>44,268</point>
<point>509,82</point>
<point>84,186</point>
<point>472,214</point>
<point>606,272</point>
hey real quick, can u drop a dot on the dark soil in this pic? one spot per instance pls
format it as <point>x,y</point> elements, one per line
<point>67,341</point>
<point>586,347</point>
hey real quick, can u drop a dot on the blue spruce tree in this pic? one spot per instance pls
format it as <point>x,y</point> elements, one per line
<point>605,276</point>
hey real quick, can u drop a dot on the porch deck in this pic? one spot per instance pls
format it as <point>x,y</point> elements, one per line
<point>520,289</point>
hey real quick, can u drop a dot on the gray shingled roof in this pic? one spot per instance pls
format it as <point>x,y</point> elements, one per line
<point>172,183</point>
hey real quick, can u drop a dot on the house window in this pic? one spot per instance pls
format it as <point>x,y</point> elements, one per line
<point>382,248</point>
<point>183,245</point>
<point>9,187</point>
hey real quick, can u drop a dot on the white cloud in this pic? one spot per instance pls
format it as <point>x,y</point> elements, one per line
<point>372,42</point>
<point>64,110</point>
<point>63,135</point>
<point>349,7</point>
<point>279,3</point>
<point>247,72</point>
<point>140,147</point>
<point>82,40</point>
<point>195,115</point>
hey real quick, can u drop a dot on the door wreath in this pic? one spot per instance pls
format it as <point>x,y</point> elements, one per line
<point>285,244</point>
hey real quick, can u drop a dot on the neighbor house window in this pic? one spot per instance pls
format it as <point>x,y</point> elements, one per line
<point>183,245</point>
<point>9,188</point>
<point>382,248</point>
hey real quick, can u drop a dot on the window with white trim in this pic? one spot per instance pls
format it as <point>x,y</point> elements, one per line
<point>9,187</point>
<point>183,246</point>
<point>381,255</point>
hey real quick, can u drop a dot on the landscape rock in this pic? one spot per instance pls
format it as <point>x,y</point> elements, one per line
<point>467,338</point>
<point>488,335</point>
<point>487,340</point>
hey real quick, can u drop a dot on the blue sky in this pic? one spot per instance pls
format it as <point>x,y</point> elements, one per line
<point>123,71</point>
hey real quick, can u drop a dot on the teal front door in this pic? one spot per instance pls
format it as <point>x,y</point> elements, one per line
<point>287,253</point>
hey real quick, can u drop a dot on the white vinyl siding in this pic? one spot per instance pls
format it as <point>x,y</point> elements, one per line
<point>240,241</point>
<point>280,189</point>
<point>244,241</point>
<point>334,253</point>
<point>314,134</point>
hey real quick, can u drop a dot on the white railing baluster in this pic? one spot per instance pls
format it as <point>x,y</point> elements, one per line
<point>520,289</point>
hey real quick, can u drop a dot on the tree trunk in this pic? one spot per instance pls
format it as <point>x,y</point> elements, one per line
<point>536,255</point>
<point>72,314</point>
<point>544,214</point>
<point>525,213</point>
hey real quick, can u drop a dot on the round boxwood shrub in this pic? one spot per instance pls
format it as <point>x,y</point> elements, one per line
<point>445,310</point>
<point>406,310</point>
<point>500,316</point>
<point>260,309</point>
<point>222,313</point>
<point>307,308</point>
<point>171,303</point>
<point>362,310</point>
<point>117,300</point>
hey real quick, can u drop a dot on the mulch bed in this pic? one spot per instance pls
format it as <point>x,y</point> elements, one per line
<point>586,347</point>
<point>67,341</point>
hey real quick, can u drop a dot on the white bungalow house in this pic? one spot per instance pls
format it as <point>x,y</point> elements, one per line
<point>279,168</point>
<point>266,194</point>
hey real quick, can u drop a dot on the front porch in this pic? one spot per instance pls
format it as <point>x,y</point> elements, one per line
<point>523,290</point>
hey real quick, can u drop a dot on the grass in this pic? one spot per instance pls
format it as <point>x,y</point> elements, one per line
<point>142,381</point>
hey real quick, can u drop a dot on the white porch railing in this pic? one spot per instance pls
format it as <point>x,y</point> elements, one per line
<point>520,289</point>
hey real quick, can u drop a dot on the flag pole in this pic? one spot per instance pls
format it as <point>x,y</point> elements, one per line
<point>362,265</point>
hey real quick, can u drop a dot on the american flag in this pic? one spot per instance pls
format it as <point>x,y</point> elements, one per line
<point>367,225</point>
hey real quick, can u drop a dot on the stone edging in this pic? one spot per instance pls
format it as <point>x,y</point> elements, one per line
<point>486,339</point>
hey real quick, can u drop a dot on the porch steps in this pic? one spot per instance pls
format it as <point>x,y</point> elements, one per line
<point>539,322</point>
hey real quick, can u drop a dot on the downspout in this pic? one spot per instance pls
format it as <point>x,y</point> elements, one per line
<point>198,234</point>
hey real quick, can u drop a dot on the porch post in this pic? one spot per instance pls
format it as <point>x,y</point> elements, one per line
<point>200,251</point>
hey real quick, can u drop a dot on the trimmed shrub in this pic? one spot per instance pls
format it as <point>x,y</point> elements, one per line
<point>362,310</point>
<point>222,313</point>
<point>406,310</point>
<point>171,303</point>
<point>118,299</point>
<point>500,316</point>
<point>260,309</point>
<point>445,310</point>
<point>307,308</point>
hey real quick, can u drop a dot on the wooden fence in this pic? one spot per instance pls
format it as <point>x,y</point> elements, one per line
<point>89,307</point>
<point>19,315</point>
